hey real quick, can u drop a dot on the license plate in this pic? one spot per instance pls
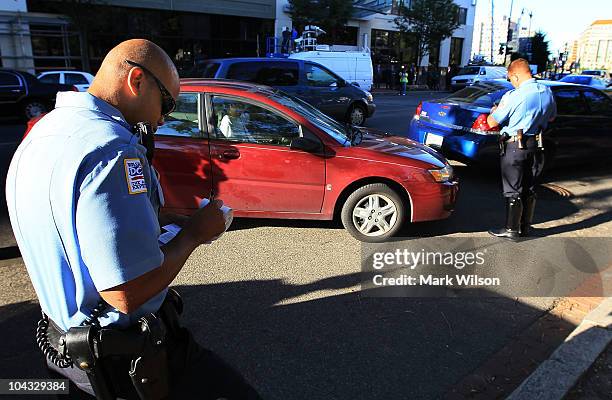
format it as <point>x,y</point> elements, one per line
<point>434,140</point>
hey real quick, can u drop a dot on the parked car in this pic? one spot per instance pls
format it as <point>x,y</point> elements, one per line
<point>457,125</point>
<point>353,66</point>
<point>24,96</point>
<point>81,80</point>
<point>559,75</point>
<point>272,155</point>
<point>307,80</point>
<point>587,80</point>
<point>470,75</point>
<point>600,73</point>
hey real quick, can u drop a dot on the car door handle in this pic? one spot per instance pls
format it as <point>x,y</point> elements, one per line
<point>230,154</point>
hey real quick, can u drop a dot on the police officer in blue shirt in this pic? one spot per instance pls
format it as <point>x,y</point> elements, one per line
<point>83,202</point>
<point>523,113</point>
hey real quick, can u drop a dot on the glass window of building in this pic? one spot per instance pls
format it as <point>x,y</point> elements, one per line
<point>456,51</point>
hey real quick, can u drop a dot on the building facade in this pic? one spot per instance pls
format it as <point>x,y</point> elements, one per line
<point>77,36</point>
<point>373,26</point>
<point>593,49</point>
<point>481,46</point>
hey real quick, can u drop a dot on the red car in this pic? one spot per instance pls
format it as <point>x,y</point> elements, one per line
<point>271,155</point>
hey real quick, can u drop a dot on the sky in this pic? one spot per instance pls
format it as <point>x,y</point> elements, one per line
<point>562,20</point>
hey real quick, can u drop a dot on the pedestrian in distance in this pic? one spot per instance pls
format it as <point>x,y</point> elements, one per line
<point>524,114</point>
<point>403,78</point>
<point>84,204</point>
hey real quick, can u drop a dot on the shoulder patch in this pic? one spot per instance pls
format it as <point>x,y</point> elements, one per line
<point>134,176</point>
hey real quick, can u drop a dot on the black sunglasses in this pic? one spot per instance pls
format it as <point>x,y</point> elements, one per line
<point>168,104</point>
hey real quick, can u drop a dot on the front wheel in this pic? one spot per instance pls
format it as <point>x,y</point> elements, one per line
<point>33,109</point>
<point>357,115</point>
<point>373,213</point>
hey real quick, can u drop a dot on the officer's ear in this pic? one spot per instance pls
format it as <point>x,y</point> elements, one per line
<point>135,80</point>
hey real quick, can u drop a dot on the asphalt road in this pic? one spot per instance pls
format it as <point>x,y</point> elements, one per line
<point>281,300</point>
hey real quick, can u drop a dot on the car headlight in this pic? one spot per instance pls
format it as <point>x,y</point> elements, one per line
<point>369,96</point>
<point>442,174</point>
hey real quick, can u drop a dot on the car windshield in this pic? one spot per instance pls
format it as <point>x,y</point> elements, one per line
<point>469,71</point>
<point>329,125</point>
<point>484,94</point>
<point>580,80</point>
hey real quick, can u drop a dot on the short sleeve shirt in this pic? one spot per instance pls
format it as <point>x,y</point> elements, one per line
<point>530,108</point>
<point>83,205</point>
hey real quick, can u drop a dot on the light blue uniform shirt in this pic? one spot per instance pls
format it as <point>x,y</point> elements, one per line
<point>530,108</point>
<point>83,204</point>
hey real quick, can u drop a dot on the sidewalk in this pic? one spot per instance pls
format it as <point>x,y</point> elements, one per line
<point>578,356</point>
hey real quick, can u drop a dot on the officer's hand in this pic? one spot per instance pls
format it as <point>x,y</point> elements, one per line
<point>207,223</point>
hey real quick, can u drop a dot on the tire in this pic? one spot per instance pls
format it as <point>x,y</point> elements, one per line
<point>356,115</point>
<point>368,202</point>
<point>33,108</point>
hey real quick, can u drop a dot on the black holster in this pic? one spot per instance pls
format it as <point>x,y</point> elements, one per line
<point>149,370</point>
<point>503,138</point>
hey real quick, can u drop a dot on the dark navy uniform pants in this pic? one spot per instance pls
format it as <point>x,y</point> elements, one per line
<point>521,168</point>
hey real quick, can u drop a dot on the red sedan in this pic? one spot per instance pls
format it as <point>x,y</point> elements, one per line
<point>270,155</point>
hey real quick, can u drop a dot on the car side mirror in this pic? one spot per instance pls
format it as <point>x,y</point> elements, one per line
<point>333,84</point>
<point>305,144</point>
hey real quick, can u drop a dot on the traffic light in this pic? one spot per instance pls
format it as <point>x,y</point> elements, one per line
<point>501,49</point>
<point>509,38</point>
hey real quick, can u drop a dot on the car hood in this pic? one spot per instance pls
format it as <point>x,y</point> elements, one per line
<point>398,146</point>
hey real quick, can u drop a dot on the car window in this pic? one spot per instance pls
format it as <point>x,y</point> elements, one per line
<point>485,94</point>
<point>569,102</point>
<point>50,78</point>
<point>319,77</point>
<point>267,72</point>
<point>184,120</point>
<point>209,70</point>
<point>7,79</point>
<point>469,71</point>
<point>75,79</point>
<point>238,120</point>
<point>599,104</point>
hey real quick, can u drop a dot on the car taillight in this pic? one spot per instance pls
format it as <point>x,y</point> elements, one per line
<point>418,109</point>
<point>481,125</point>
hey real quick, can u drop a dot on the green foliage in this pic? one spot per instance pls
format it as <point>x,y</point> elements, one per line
<point>429,21</point>
<point>329,15</point>
<point>539,51</point>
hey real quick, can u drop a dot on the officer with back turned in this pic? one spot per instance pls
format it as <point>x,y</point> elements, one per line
<point>523,113</point>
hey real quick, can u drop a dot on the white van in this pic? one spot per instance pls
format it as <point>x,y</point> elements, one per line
<point>353,66</point>
<point>471,74</point>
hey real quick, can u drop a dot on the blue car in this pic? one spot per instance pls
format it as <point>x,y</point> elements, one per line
<point>457,125</point>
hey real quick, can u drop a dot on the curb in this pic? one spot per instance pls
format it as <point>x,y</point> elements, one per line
<point>555,377</point>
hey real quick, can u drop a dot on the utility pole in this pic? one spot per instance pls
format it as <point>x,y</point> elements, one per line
<point>492,31</point>
<point>530,16</point>
<point>509,35</point>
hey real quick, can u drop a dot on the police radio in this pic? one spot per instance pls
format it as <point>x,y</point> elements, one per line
<point>146,137</point>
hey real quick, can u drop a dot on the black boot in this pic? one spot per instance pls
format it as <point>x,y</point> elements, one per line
<point>514,212</point>
<point>529,203</point>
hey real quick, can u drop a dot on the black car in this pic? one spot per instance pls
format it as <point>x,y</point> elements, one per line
<point>23,96</point>
<point>306,80</point>
<point>456,125</point>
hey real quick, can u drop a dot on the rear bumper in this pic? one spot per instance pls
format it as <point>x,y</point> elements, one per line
<point>457,145</point>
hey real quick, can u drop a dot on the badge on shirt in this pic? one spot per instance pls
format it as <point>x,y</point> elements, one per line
<point>135,176</point>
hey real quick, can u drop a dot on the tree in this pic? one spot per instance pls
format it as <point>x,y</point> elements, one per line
<point>429,21</point>
<point>329,15</point>
<point>539,51</point>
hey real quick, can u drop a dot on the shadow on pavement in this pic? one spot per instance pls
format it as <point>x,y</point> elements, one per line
<point>344,346</point>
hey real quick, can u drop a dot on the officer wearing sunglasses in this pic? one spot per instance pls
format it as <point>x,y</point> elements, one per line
<point>84,206</point>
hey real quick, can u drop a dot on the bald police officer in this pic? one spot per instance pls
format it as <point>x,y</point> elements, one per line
<point>83,202</point>
<point>523,113</point>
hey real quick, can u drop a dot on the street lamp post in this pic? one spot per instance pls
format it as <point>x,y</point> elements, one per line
<point>492,31</point>
<point>509,34</point>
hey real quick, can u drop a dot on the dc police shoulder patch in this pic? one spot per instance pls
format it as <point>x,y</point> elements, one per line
<point>134,176</point>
